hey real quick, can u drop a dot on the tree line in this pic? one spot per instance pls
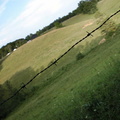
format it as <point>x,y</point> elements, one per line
<point>84,7</point>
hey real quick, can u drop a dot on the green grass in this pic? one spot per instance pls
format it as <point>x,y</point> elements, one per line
<point>107,7</point>
<point>77,19</point>
<point>84,89</point>
<point>72,90</point>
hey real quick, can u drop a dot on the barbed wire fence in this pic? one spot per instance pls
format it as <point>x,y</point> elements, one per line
<point>56,60</point>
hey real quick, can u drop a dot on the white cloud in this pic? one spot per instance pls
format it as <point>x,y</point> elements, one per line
<point>36,15</point>
<point>3,6</point>
<point>37,10</point>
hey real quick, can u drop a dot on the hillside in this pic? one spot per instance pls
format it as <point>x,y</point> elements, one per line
<point>39,47</point>
<point>64,37</point>
<point>75,88</point>
<point>86,88</point>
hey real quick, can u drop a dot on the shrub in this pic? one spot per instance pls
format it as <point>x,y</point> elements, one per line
<point>79,56</point>
<point>58,25</point>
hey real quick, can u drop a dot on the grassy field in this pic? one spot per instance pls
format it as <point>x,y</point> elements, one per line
<point>74,89</point>
<point>45,48</point>
<point>82,89</point>
<point>107,7</point>
<point>63,38</point>
<point>77,19</point>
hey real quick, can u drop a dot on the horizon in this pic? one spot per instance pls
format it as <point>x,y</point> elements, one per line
<point>19,19</point>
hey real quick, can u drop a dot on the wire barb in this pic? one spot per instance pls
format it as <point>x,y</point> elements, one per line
<point>89,34</point>
<point>23,86</point>
<point>55,62</point>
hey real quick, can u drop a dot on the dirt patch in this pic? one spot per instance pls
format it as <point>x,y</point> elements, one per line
<point>88,24</point>
<point>102,41</point>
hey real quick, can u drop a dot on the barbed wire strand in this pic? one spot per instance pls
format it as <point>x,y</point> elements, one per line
<point>55,62</point>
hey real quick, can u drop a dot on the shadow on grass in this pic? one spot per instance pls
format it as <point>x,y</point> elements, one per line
<point>10,87</point>
<point>1,61</point>
<point>21,77</point>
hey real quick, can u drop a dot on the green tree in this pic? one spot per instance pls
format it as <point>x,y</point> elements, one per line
<point>27,37</point>
<point>58,24</point>
<point>39,32</point>
<point>87,6</point>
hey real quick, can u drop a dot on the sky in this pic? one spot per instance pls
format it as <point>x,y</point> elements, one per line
<point>19,18</point>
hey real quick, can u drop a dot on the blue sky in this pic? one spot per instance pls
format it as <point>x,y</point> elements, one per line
<point>18,18</point>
